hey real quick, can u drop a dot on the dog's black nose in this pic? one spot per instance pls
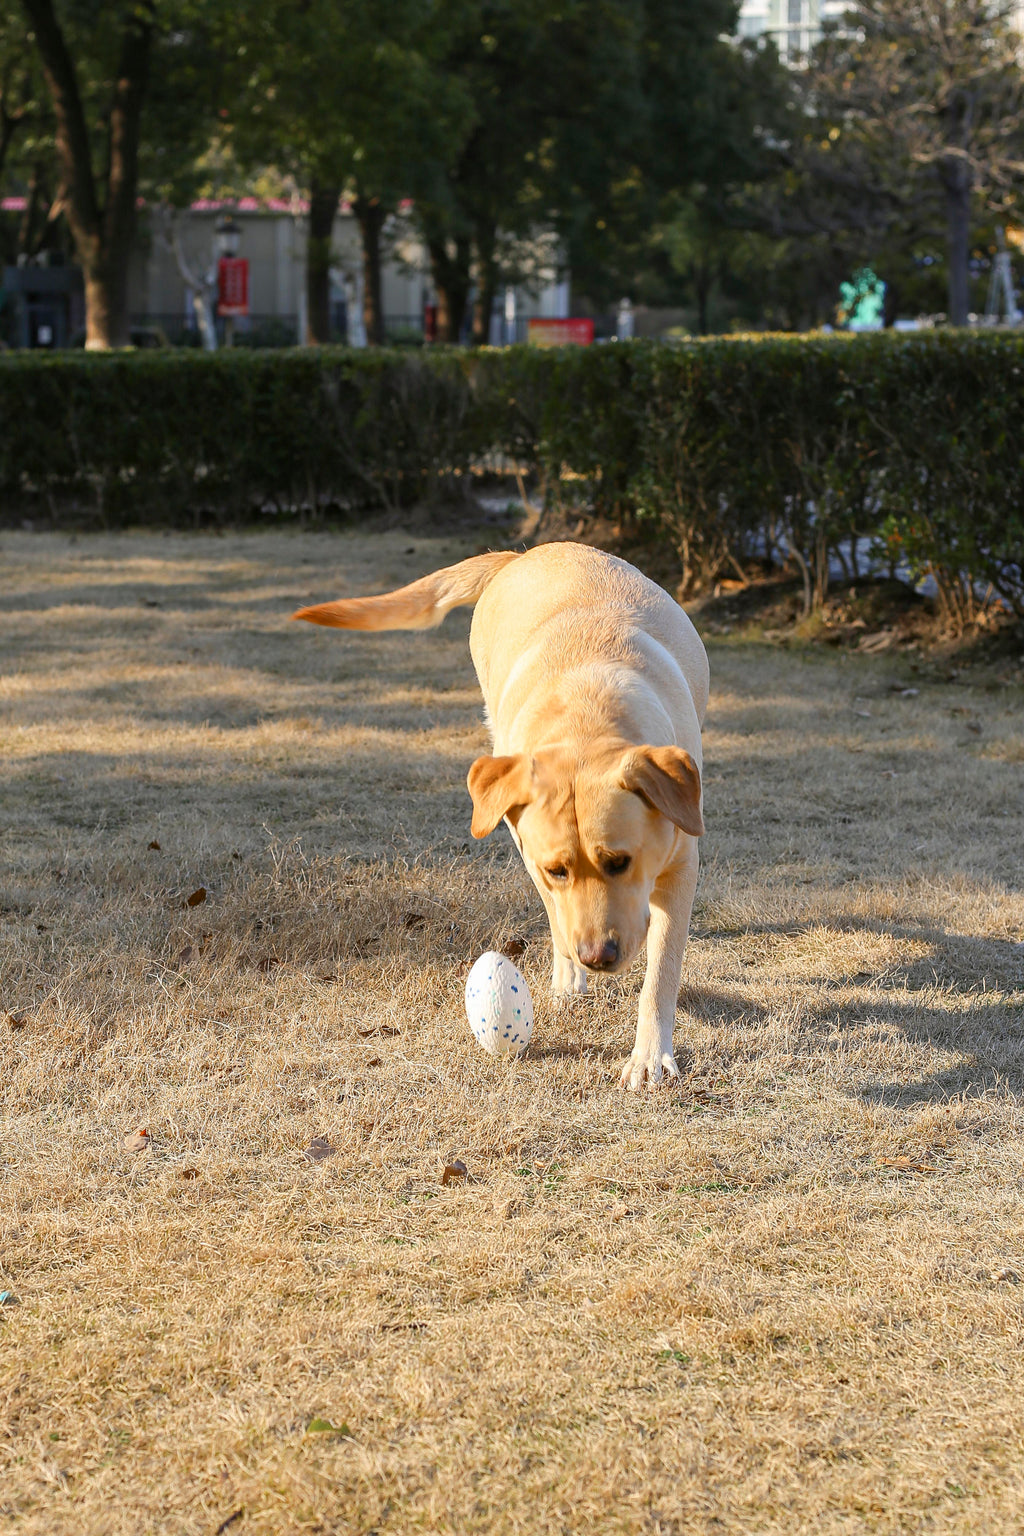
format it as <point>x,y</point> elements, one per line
<point>599,957</point>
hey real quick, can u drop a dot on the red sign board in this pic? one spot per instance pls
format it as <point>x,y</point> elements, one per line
<point>560,333</point>
<point>233,285</point>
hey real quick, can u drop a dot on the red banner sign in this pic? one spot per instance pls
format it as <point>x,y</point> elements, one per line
<point>233,285</point>
<point>560,333</point>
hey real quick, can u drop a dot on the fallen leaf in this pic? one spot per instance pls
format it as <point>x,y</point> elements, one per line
<point>387,1030</point>
<point>155,844</point>
<point>325,1427</point>
<point>455,1172</point>
<point>266,965</point>
<point>1009,1275</point>
<point>374,1061</point>
<point>412,919</point>
<point>319,1149</point>
<point>16,1020</point>
<point>515,949</point>
<point>138,1141</point>
<point>196,899</point>
<point>188,1173</point>
<point>906,1165</point>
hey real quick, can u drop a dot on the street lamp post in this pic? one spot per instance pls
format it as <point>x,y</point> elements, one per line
<point>510,315</point>
<point>227,236</point>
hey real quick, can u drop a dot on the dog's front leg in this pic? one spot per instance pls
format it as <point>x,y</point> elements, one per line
<point>671,904</point>
<point>566,976</point>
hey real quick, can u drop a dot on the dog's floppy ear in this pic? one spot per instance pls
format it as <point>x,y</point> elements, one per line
<point>669,780</point>
<point>497,784</point>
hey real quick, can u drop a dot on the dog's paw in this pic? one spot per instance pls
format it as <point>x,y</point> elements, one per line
<point>567,979</point>
<point>648,1067</point>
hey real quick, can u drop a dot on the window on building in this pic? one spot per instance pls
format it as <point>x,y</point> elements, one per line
<point>795,12</point>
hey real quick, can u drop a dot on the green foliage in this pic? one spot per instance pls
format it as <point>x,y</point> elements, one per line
<point>186,436</point>
<point>735,447</point>
<point>732,448</point>
<point>332,90</point>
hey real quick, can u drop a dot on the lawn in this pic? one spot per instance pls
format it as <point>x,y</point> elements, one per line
<point>782,1296</point>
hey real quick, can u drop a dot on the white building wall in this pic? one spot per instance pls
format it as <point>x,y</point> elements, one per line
<point>796,25</point>
<point>274,242</point>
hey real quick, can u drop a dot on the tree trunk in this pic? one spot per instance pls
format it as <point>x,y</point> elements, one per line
<point>195,282</point>
<point>106,312</point>
<point>451,280</point>
<point>323,205</point>
<point>701,288</point>
<point>102,232</point>
<point>9,123</point>
<point>486,286</point>
<point>28,223</point>
<point>956,181</point>
<point>371,213</point>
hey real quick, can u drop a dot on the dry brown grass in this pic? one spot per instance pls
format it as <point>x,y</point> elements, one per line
<point>723,1308</point>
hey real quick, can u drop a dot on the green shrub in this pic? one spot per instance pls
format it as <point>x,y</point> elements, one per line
<point>182,435</point>
<point>822,447</point>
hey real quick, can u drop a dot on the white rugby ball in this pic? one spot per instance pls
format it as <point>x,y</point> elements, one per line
<point>498,1005</point>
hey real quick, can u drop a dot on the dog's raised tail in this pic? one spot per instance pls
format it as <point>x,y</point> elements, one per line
<point>420,605</point>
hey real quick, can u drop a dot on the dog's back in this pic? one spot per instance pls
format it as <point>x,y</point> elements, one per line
<point>566,605</point>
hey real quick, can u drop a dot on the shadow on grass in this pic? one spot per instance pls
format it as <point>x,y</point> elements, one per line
<point>985,1031</point>
<point>562,1048</point>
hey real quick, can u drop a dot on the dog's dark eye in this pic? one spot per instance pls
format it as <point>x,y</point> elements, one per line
<point>616,863</point>
<point>557,872</point>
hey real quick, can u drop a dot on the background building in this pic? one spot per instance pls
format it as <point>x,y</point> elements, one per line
<point>273,239</point>
<point>796,25</point>
<point>793,25</point>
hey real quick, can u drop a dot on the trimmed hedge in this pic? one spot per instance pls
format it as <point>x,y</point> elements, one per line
<point>821,446</point>
<point>909,447</point>
<point>130,437</point>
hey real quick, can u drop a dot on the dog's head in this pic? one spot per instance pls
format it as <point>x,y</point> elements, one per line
<point>594,835</point>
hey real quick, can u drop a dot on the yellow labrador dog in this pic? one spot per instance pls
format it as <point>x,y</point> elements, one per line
<point>596,684</point>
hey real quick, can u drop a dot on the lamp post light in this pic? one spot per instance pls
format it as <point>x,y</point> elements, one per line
<point>227,235</point>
